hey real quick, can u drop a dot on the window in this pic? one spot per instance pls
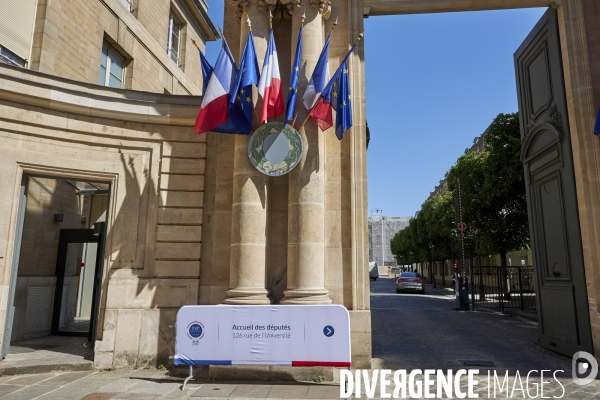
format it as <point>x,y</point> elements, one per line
<point>174,44</point>
<point>112,68</point>
<point>10,58</point>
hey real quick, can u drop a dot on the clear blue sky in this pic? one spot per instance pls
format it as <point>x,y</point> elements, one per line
<point>434,83</point>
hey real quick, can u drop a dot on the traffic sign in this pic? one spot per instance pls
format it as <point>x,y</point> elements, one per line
<point>462,226</point>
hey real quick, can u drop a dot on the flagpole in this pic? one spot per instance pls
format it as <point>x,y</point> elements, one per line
<point>309,111</point>
<point>334,24</point>
<point>360,36</point>
<point>294,120</point>
<point>222,36</point>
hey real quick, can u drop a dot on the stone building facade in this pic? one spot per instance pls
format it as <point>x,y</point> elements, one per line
<point>189,221</point>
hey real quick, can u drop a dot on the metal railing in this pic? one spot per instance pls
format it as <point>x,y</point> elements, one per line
<point>504,287</point>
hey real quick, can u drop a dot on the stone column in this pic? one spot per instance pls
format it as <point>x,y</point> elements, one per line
<point>249,206</point>
<point>306,204</point>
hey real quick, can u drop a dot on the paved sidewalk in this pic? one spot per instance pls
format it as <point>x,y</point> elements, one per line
<point>48,353</point>
<point>155,384</point>
<point>149,384</point>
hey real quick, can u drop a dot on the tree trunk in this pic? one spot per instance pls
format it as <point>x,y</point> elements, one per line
<point>505,276</point>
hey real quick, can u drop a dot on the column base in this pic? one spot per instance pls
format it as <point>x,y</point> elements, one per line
<point>248,296</point>
<point>306,296</point>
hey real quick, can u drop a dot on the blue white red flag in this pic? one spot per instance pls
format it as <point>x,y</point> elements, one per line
<point>319,78</point>
<point>207,71</point>
<point>321,113</point>
<point>241,103</point>
<point>291,98</point>
<point>597,126</point>
<point>269,85</point>
<point>213,114</point>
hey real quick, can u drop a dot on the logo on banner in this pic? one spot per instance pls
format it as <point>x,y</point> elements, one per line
<point>195,331</point>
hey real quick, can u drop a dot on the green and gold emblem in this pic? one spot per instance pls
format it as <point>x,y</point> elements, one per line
<point>275,149</point>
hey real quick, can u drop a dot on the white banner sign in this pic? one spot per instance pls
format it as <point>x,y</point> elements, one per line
<point>316,335</point>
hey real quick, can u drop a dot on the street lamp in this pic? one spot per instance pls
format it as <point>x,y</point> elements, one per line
<point>433,267</point>
<point>411,259</point>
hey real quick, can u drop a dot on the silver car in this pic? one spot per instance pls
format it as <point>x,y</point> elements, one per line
<point>410,281</point>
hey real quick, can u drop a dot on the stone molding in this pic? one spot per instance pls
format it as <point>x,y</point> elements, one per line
<point>65,95</point>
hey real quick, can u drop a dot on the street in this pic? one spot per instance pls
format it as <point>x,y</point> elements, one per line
<point>424,331</point>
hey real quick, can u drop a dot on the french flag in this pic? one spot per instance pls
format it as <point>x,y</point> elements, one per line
<point>319,78</point>
<point>269,85</point>
<point>214,109</point>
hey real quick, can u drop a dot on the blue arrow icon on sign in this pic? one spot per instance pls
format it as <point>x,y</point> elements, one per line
<point>328,331</point>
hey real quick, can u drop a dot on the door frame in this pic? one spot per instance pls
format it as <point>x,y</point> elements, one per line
<point>10,308</point>
<point>68,236</point>
<point>19,200</point>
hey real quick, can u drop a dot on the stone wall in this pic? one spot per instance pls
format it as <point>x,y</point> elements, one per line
<point>143,146</point>
<point>69,34</point>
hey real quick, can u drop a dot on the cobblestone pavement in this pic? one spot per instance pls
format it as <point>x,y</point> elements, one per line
<point>409,332</point>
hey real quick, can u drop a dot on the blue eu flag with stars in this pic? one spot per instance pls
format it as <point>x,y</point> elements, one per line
<point>291,99</point>
<point>207,71</point>
<point>340,101</point>
<point>241,104</point>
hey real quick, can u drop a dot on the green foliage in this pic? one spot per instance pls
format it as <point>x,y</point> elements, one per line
<point>492,196</point>
<point>506,224</point>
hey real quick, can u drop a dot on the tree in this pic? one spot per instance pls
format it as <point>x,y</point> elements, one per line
<point>470,169</point>
<point>506,199</point>
<point>492,196</point>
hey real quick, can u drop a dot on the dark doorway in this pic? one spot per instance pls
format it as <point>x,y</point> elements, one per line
<point>89,243</point>
<point>55,287</point>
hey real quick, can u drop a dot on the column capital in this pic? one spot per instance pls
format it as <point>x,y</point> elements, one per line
<point>324,7</point>
<point>279,8</point>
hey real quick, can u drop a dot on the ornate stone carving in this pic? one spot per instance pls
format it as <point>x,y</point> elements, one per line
<point>528,129</point>
<point>289,6</point>
<point>324,7</point>
<point>556,117</point>
<point>240,6</point>
<point>279,8</point>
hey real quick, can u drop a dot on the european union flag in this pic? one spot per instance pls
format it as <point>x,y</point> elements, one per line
<point>207,71</point>
<point>241,104</point>
<point>291,98</point>
<point>340,100</point>
<point>597,127</point>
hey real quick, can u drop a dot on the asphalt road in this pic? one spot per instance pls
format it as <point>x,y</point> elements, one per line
<point>424,331</point>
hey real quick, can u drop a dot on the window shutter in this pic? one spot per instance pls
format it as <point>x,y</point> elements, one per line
<point>16,26</point>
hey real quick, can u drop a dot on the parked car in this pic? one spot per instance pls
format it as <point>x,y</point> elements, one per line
<point>373,271</point>
<point>410,281</point>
